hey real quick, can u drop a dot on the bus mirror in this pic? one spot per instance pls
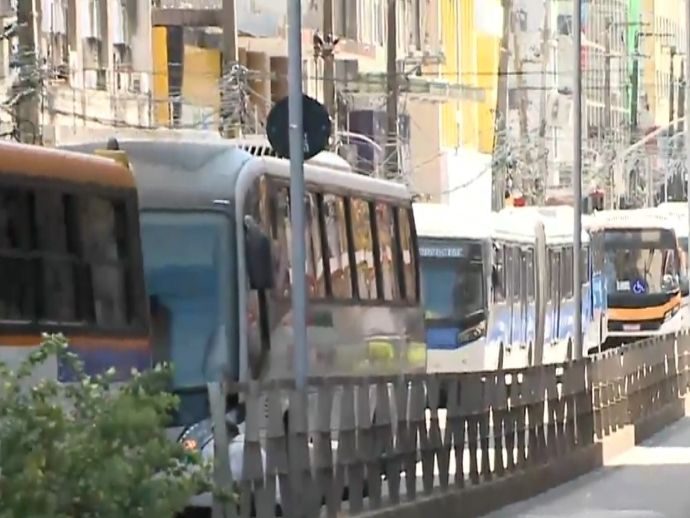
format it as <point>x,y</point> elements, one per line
<point>259,256</point>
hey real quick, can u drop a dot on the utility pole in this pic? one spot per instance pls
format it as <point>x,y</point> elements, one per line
<point>392,87</point>
<point>328,59</point>
<point>498,173</point>
<point>687,106</point>
<point>297,216</point>
<point>671,115</point>
<point>545,60</point>
<point>577,176</point>
<point>517,65</point>
<point>681,103</point>
<point>608,133</point>
<point>27,88</point>
<point>635,84</point>
<point>230,101</point>
<point>522,102</point>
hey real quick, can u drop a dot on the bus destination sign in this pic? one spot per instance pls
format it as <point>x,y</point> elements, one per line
<point>443,252</point>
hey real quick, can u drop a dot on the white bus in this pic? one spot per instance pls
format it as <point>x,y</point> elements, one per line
<point>454,255</point>
<point>532,298</point>
<point>642,269</point>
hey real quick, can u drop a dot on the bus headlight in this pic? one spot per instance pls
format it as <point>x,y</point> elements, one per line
<point>473,333</point>
<point>669,314</point>
<point>197,436</point>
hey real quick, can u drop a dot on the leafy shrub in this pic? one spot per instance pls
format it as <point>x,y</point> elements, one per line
<point>87,449</point>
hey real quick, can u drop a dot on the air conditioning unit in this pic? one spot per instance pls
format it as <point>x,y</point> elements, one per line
<point>558,110</point>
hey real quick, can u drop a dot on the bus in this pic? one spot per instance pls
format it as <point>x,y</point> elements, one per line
<point>454,255</point>
<point>642,268</point>
<point>678,212</point>
<point>216,239</point>
<point>532,293</point>
<point>71,261</point>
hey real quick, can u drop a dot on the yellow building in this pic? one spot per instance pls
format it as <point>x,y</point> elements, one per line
<point>470,37</point>
<point>663,28</point>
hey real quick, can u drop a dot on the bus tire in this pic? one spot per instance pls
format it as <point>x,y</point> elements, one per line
<point>499,363</point>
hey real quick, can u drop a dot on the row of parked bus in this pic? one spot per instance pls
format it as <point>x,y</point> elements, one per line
<point>499,293</point>
<point>181,252</point>
<point>178,245</point>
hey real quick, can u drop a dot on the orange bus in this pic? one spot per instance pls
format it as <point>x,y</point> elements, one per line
<point>70,260</point>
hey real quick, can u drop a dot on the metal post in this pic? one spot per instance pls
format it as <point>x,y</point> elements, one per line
<point>25,88</point>
<point>687,104</point>
<point>577,177</point>
<point>634,95</point>
<point>545,61</point>
<point>391,163</point>
<point>608,131</point>
<point>328,59</point>
<point>299,289</point>
<point>230,102</point>
<point>498,173</point>
<point>671,114</point>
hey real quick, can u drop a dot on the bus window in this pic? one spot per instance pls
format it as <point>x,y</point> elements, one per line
<point>282,242</point>
<point>315,266</point>
<point>98,224</point>
<point>385,230</point>
<point>17,297</point>
<point>509,275</point>
<point>530,275</point>
<point>336,232</point>
<point>567,273</point>
<point>408,254</point>
<point>56,266</point>
<point>517,273</point>
<point>364,249</point>
<point>498,275</point>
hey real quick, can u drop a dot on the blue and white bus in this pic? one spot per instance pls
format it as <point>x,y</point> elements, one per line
<point>454,253</point>
<point>532,305</point>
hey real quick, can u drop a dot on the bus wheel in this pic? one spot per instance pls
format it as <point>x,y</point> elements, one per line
<point>499,363</point>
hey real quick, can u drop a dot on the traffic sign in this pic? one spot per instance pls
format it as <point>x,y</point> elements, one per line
<point>316,125</point>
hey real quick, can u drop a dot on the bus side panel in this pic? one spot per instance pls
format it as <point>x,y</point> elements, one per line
<point>99,358</point>
<point>346,340</point>
<point>98,355</point>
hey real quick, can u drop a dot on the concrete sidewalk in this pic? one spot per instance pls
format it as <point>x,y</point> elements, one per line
<point>650,480</point>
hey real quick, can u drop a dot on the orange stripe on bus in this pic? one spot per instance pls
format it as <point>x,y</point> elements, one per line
<point>79,340</point>
<point>49,163</point>
<point>645,313</point>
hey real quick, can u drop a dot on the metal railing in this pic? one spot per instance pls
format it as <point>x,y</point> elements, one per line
<point>355,454</point>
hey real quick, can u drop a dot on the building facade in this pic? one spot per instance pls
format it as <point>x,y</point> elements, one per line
<point>470,37</point>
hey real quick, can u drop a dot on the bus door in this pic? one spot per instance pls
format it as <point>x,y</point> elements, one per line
<point>513,283</point>
<point>555,259</point>
<point>523,297</point>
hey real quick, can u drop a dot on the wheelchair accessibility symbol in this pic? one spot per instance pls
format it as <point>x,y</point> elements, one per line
<point>638,287</point>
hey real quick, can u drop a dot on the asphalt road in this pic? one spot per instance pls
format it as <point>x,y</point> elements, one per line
<point>649,481</point>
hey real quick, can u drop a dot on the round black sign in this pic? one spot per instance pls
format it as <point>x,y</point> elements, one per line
<point>316,124</point>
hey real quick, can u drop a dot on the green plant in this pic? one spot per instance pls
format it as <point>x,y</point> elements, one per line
<point>89,449</point>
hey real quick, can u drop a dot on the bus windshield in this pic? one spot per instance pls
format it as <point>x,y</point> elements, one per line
<point>641,261</point>
<point>184,256</point>
<point>452,281</point>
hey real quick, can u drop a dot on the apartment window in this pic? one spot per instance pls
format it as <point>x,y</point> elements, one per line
<point>564,23</point>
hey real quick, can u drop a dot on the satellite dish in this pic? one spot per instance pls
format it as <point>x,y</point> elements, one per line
<point>316,124</point>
